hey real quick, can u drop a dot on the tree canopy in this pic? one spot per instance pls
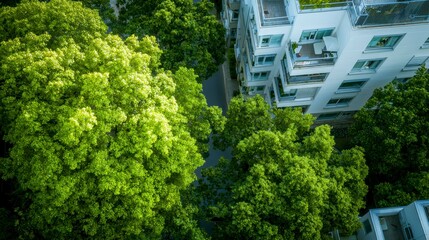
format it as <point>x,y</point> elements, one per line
<point>100,136</point>
<point>284,181</point>
<point>187,32</point>
<point>393,129</point>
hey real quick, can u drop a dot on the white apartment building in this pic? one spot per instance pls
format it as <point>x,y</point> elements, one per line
<point>326,58</point>
<point>396,223</point>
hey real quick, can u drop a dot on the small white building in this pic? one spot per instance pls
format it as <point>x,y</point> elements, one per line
<point>397,223</point>
<point>325,59</point>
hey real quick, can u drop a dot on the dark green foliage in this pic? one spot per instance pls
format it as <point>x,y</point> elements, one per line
<point>100,146</point>
<point>232,63</point>
<point>285,181</point>
<point>393,129</point>
<point>187,32</point>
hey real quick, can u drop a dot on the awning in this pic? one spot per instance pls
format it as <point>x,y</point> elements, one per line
<point>331,43</point>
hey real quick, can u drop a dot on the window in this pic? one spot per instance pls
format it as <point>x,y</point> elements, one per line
<point>351,86</point>
<point>265,59</point>
<point>409,233</point>
<point>426,44</point>
<point>335,116</point>
<point>383,42</point>
<point>233,33</point>
<point>270,40</point>
<point>235,15</point>
<point>401,80</point>
<point>415,63</point>
<point>328,116</point>
<point>338,102</point>
<point>366,66</point>
<point>291,93</point>
<point>260,76</point>
<point>256,88</point>
<point>367,226</point>
<point>317,34</point>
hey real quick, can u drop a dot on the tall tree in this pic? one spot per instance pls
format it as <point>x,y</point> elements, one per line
<point>392,128</point>
<point>187,32</point>
<point>284,181</point>
<point>101,147</point>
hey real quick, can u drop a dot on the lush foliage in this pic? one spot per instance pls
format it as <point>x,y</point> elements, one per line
<point>309,4</point>
<point>187,32</point>
<point>393,129</point>
<point>100,136</point>
<point>285,181</point>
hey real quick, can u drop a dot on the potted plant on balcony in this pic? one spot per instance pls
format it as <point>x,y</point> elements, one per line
<point>294,47</point>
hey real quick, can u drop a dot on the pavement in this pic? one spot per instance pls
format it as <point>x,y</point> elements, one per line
<point>218,90</point>
<point>230,85</point>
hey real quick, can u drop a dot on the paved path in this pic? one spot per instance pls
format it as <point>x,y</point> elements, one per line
<point>214,89</point>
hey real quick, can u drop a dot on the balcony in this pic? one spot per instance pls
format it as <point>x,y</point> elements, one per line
<point>293,95</point>
<point>273,12</point>
<point>367,13</point>
<point>234,4</point>
<point>311,55</point>
<point>301,79</point>
<point>324,5</point>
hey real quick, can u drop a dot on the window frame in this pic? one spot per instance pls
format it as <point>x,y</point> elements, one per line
<point>386,39</point>
<point>315,34</point>
<point>259,88</point>
<point>257,76</point>
<point>367,226</point>
<point>270,42</point>
<point>338,102</point>
<point>415,66</point>
<point>264,62</point>
<point>328,116</point>
<point>365,66</point>
<point>351,89</point>
<point>235,15</point>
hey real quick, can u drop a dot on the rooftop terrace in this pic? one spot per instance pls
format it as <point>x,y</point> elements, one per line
<point>273,12</point>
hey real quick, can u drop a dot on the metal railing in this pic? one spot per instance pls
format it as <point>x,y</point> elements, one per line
<point>307,61</point>
<point>302,79</point>
<point>366,13</point>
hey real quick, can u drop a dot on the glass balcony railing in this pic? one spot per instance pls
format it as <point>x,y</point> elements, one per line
<point>281,95</point>
<point>273,12</point>
<point>301,79</point>
<point>388,12</point>
<point>312,6</point>
<point>311,55</point>
<point>293,95</point>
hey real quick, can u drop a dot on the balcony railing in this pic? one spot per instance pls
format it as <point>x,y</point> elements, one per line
<point>234,4</point>
<point>308,6</point>
<point>273,12</point>
<point>281,95</point>
<point>301,79</point>
<point>388,12</point>
<point>310,56</point>
<point>296,95</point>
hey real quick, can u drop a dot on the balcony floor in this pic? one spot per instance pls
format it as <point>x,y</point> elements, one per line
<point>273,8</point>
<point>307,52</point>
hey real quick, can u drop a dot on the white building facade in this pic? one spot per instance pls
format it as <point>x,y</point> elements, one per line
<point>326,59</point>
<point>396,223</point>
